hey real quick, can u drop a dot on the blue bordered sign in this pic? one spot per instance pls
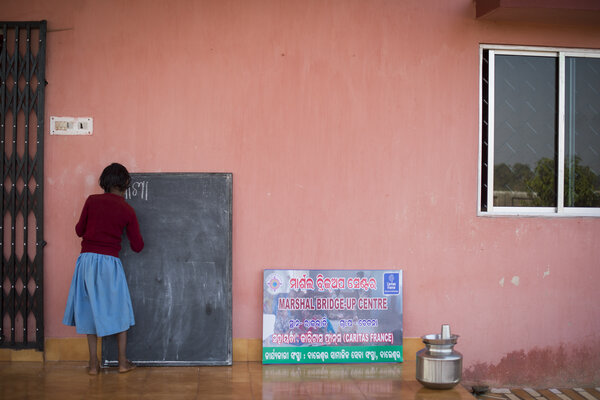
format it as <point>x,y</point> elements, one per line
<point>332,316</point>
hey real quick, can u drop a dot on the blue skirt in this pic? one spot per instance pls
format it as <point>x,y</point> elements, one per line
<point>99,301</point>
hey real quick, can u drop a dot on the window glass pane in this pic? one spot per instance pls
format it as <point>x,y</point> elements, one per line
<point>582,132</point>
<point>485,118</point>
<point>525,131</point>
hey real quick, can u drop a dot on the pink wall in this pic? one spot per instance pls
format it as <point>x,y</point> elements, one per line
<point>351,128</point>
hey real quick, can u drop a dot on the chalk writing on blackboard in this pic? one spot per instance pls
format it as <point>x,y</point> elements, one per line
<point>137,189</point>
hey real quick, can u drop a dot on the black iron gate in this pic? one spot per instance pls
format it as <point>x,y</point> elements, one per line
<point>22,74</point>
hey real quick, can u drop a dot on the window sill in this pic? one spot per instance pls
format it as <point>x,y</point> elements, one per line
<point>540,212</point>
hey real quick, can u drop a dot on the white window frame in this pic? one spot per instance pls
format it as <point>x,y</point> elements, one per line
<point>560,210</point>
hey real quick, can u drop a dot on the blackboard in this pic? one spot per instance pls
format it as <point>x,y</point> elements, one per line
<point>180,284</point>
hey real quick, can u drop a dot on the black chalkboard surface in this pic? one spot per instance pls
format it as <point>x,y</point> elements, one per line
<point>180,284</point>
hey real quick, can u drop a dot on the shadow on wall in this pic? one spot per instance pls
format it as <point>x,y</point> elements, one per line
<point>562,366</point>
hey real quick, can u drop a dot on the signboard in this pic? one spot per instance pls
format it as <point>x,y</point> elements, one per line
<point>332,316</point>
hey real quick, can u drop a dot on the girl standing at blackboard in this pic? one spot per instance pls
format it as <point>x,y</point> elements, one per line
<point>99,303</point>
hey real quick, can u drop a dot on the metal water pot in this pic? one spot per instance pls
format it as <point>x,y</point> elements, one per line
<point>439,366</point>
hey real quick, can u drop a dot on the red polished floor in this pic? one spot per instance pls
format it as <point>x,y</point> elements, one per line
<point>244,380</point>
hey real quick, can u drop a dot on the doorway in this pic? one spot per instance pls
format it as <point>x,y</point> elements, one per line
<point>22,75</point>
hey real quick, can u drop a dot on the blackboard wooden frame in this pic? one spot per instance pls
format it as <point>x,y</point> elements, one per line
<point>180,284</point>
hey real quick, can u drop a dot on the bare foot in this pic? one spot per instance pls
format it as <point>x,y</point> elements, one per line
<point>94,368</point>
<point>126,367</point>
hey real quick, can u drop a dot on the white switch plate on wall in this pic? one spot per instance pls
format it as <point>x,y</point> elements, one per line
<point>71,126</point>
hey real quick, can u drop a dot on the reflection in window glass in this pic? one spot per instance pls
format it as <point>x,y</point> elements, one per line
<point>525,131</point>
<point>582,132</point>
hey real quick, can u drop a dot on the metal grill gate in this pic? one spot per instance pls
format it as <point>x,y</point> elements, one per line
<point>22,74</point>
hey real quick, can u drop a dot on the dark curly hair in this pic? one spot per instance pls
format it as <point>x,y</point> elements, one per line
<point>115,175</point>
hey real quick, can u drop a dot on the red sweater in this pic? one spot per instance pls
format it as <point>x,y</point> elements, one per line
<point>103,218</point>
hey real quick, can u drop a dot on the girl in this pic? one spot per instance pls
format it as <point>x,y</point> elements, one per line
<point>99,303</point>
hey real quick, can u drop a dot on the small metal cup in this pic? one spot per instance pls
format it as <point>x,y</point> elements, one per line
<point>446,332</point>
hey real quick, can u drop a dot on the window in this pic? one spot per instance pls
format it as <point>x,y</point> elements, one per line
<point>539,131</point>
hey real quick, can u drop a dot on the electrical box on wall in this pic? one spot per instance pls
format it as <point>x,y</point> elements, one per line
<point>71,126</point>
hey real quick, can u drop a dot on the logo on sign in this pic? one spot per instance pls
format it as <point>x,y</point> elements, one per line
<point>391,283</point>
<point>273,283</point>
